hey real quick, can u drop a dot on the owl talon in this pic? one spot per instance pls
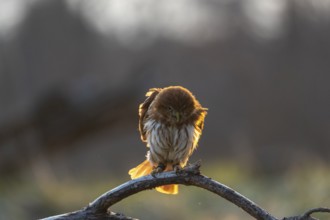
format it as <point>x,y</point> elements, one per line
<point>177,168</point>
<point>160,168</point>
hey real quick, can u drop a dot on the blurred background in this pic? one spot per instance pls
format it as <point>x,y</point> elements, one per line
<point>73,72</point>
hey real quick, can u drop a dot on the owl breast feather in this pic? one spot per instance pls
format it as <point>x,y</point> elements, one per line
<point>170,144</point>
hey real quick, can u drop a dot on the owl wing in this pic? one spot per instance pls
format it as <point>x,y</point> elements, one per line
<point>199,118</point>
<point>143,109</point>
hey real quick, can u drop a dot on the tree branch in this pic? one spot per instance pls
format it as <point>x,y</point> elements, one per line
<point>190,175</point>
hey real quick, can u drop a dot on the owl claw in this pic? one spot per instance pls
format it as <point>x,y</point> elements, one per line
<point>177,168</point>
<point>160,168</point>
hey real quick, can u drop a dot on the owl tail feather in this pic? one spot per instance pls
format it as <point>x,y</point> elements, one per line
<point>145,168</point>
<point>142,169</point>
<point>168,189</point>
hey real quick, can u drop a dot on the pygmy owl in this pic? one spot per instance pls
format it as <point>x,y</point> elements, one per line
<point>171,121</point>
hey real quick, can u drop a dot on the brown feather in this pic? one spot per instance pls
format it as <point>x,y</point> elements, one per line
<point>143,108</point>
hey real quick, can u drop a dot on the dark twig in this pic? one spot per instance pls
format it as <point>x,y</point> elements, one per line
<point>307,215</point>
<point>190,175</point>
<point>309,212</point>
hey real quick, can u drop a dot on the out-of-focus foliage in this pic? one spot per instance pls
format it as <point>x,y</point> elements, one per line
<point>73,72</point>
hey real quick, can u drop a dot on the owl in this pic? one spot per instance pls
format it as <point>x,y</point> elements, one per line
<point>171,121</point>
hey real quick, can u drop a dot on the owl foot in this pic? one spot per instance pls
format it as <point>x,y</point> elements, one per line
<point>160,168</point>
<point>177,168</point>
